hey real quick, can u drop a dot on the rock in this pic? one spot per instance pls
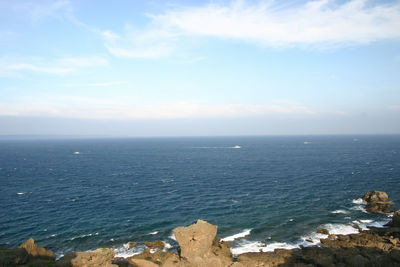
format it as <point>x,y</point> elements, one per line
<point>98,257</point>
<point>36,251</point>
<point>13,256</point>
<point>197,246</point>
<point>276,258</point>
<point>377,202</point>
<point>396,219</point>
<point>195,240</point>
<point>158,257</point>
<point>131,244</point>
<point>356,226</point>
<point>155,245</point>
<point>322,231</point>
<point>142,263</point>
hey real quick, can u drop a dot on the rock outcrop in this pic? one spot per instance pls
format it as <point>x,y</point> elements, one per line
<point>198,246</point>
<point>377,202</point>
<point>99,257</point>
<point>36,251</point>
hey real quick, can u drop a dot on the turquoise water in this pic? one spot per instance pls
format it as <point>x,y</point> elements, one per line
<point>262,192</point>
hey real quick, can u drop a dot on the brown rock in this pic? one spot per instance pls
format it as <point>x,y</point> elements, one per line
<point>142,263</point>
<point>98,257</point>
<point>198,246</point>
<point>195,240</point>
<point>322,231</point>
<point>36,251</point>
<point>131,244</point>
<point>377,202</point>
<point>155,245</point>
<point>276,258</point>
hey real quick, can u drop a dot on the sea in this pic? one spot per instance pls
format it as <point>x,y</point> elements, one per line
<point>264,192</point>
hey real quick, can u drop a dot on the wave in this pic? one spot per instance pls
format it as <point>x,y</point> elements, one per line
<point>257,246</point>
<point>82,236</point>
<point>172,236</point>
<point>358,201</point>
<point>242,234</point>
<point>153,233</point>
<point>340,211</point>
<point>125,251</point>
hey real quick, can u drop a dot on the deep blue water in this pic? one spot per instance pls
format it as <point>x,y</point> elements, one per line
<point>120,190</point>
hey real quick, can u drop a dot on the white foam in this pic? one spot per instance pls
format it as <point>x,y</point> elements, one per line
<point>340,229</point>
<point>244,233</point>
<point>360,208</point>
<point>153,233</point>
<point>125,251</point>
<point>366,221</point>
<point>340,211</point>
<point>172,236</point>
<point>82,236</point>
<point>256,246</point>
<point>21,193</point>
<point>358,201</point>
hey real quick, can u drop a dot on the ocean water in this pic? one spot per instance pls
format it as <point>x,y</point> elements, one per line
<point>262,192</point>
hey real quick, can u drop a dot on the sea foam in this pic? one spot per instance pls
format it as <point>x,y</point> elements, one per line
<point>242,234</point>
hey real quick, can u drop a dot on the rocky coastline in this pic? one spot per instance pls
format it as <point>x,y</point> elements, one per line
<point>200,246</point>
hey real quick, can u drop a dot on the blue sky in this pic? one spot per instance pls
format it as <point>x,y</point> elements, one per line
<point>157,68</point>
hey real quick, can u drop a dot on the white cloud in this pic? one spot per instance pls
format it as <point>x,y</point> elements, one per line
<point>59,66</point>
<point>320,23</point>
<point>112,109</point>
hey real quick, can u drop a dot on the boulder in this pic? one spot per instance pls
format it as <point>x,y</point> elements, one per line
<point>36,251</point>
<point>158,257</point>
<point>377,202</point>
<point>142,263</point>
<point>198,246</point>
<point>99,257</point>
<point>279,257</point>
<point>155,245</point>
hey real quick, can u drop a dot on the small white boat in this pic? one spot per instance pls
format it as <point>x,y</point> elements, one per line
<point>237,146</point>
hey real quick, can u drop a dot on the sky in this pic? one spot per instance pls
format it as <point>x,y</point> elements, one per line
<point>199,68</point>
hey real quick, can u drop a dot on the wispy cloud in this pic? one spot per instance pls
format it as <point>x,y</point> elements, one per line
<point>319,24</point>
<point>111,109</point>
<point>58,66</point>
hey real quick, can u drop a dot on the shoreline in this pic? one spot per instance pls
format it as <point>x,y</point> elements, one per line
<point>199,245</point>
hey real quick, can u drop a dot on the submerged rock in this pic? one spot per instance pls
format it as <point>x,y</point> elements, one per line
<point>377,202</point>
<point>131,244</point>
<point>155,245</point>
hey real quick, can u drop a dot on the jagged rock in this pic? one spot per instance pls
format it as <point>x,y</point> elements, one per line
<point>36,251</point>
<point>155,245</point>
<point>377,202</point>
<point>196,245</point>
<point>131,244</point>
<point>322,231</point>
<point>98,257</point>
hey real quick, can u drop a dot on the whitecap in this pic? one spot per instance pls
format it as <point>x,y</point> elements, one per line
<point>21,193</point>
<point>358,201</point>
<point>125,251</point>
<point>256,246</point>
<point>153,233</point>
<point>340,211</point>
<point>244,233</point>
<point>360,208</point>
